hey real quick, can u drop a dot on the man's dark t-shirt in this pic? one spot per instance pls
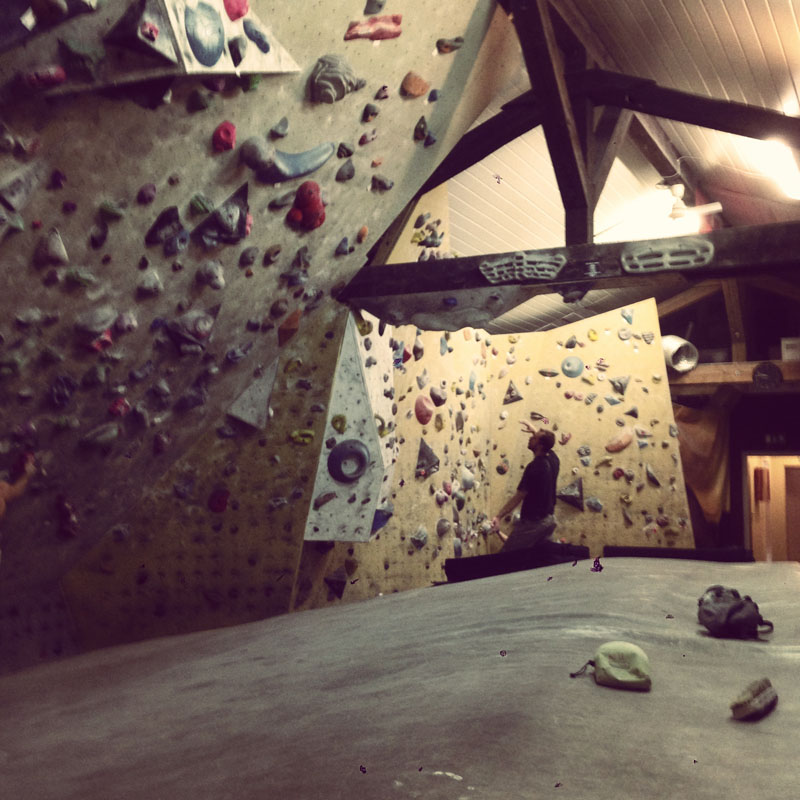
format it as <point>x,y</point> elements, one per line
<point>539,484</point>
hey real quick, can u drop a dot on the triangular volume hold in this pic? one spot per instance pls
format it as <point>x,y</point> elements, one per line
<point>228,224</point>
<point>252,405</point>
<point>211,41</point>
<point>512,394</point>
<point>427,460</point>
<point>145,28</point>
<point>572,494</point>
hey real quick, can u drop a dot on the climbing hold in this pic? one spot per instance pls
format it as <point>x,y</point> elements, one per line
<point>224,137</point>
<point>302,436</point>
<point>256,35</point>
<point>346,171</point>
<point>512,394</point>
<point>381,183</point>
<point>592,335</point>
<point>331,79</point>
<point>651,476</point>
<point>572,366</point>
<point>248,256</point>
<point>420,537</point>
<point>271,254</point>
<point>146,194</point>
<point>620,441</point>
<point>438,395</point>
<point>368,136</point>
<point>370,112</point>
<point>344,247</point>
<point>229,224</point>
<point>348,461</point>
<point>627,315</point>
<point>624,334</point>
<point>420,129</point>
<point>375,28</point>
<point>211,273</point>
<point>620,384</point>
<point>503,467</point>
<point>430,139</point>
<point>308,210</point>
<point>423,409</point>
<point>289,327</point>
<point>594,504</point>
<point>633,412</point>
<point>362,234</point>
<point>572,494</point>
<point>205,33</point>
<point>548,373</point>
<point>236,9</point>
<point>339,423</point>
<point>150,284</point>
<point>414,85</point>
<point>167,225</point>
<point>382,93</point>
<point>101,437</point>
<point>237,47</point>
<point>321,499</point>
<point>427,461</point>
<point>50,250</point>
<point>274,166</point>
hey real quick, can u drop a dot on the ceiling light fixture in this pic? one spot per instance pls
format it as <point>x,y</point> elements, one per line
<point>776,161</point>
<point>680,209</point>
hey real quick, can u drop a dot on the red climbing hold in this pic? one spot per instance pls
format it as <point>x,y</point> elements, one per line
<point>236,9</point>
<point>224,137</point>
<point>308,211</point>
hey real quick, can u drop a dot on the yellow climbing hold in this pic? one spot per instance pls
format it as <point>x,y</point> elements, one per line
<point>302,436</point>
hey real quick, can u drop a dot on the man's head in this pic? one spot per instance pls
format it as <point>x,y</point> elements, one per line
<point>541,441</point>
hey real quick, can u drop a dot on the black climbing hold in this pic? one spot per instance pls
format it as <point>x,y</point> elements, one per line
<point>348,461</point>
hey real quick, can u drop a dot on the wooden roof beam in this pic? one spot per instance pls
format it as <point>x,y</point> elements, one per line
<point>544,62</point>
<point>647,97</point>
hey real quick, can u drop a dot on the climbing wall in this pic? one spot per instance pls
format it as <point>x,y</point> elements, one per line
<point>601,386</point>
<point>170,329</point>
<point>436,432</point>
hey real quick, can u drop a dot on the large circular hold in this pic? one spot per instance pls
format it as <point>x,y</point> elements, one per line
<point>572,366</point>
<point>348,461</point>
<point>205,33</point>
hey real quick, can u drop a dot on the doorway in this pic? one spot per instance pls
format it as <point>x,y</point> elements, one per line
<point>772,506</point>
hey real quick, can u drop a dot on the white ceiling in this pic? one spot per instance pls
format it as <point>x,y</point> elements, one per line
<point>745,51</point>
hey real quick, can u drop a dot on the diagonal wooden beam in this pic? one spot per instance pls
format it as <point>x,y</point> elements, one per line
<point>516,118</point>
<point>647,97</point>
<point>609,134</point>
<point>688,297</point>
<point>545,67</point>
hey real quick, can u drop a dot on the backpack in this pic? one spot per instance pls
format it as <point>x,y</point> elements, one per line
<point>727,614</point>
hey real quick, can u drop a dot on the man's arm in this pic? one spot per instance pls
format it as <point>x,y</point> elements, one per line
<point>507,508</point>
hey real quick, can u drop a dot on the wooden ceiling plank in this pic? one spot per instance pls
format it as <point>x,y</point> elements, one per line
<point>736,327</point>
<point>647,97</point>
<point>689,297</point>
<point>545,68</point>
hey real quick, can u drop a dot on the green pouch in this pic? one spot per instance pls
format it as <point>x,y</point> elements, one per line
<point>621,665</point>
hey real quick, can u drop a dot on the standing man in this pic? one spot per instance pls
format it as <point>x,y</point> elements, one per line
<point>536,492</point>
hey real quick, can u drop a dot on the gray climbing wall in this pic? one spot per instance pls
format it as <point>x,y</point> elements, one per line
<point>154,274</point>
